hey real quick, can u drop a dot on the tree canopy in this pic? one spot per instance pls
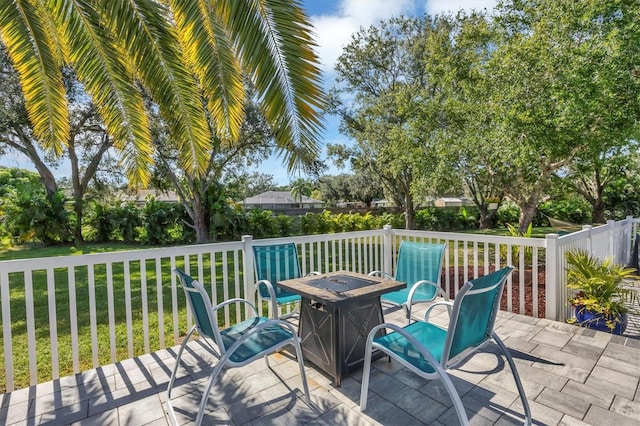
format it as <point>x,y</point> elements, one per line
<point>494,106</point>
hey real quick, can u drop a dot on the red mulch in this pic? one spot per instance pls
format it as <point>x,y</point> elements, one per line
<point>515,288</point>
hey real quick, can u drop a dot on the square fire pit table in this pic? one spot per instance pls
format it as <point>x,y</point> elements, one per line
<point>337,312</point>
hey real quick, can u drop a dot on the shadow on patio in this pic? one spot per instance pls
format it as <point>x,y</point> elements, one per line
<point>571,376</point>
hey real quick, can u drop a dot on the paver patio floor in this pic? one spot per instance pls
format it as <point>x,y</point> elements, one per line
<point>572,376</point>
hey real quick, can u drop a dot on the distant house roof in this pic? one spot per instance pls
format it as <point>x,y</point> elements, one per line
<point>382,203</point>
<point>278,197</point>
<point>452,202</point>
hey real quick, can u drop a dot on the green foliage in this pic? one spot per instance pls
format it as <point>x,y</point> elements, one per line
<point>397,110</point>
<point>193,73</point>
<point>300,187</point>
<point>317,223</point>
<point>284,225</point>
<point>571,209</point>
<point>124,220</point>
<point>598,285</point>
<point>426,220</point>
<point>508,213</point>
<point>466,218</point>
<point>163,223</point>
<point>227,221</point>
<point>515,250</point>
<point>446,219</point>
<point>622,195</point>
<point>37,218</point>
<point>17,186</point>
<point>98,224</point>
<point>261,223</point>
<point>114,222</point>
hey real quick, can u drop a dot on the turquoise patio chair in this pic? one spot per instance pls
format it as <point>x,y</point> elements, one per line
<point>419,265</point>
<point>238,345</point>
<point>273,263</point>
<point>429,350</point>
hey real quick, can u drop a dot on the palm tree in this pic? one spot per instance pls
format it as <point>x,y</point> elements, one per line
<point>300,187</point>
<point>189,56</point>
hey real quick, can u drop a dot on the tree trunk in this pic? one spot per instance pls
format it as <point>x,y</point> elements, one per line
<point>29,149</point>
<point>77,232</point>
<point>486,217</point>
<point>598,211</point>
<point>200,221</point>
<point>527,212</point>
<point>409,214</point>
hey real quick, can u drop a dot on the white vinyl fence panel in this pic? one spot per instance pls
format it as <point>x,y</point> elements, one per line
<point>101,308</point>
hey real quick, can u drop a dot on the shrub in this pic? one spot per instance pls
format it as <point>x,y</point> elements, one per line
<point>575,210</point>
<point>426,220</point>
<point>508,213</point>
<point>261,223</point>
<point>467,218</point>
<point>98,223</point>
<point>284,225</point>
<point>38,218</point>
<point>163,223</point>
<point>125,220</point>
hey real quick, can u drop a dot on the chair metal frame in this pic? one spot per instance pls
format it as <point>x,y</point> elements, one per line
<point>414,287</point>
<point>209,330</point>
<point>273,298</point>
<point>445,362</point>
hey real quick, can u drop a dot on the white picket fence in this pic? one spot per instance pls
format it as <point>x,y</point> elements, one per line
<point>85,294</point>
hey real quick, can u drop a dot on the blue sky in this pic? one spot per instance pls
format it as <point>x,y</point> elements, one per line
<point>335,21</point>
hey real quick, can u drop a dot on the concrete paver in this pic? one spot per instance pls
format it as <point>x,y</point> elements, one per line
<point>572,377</point>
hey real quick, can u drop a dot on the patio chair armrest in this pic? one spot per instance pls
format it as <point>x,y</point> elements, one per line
<point>380,274</point>
<point>447,303</point>
<point>270,289</point>
<point>418,284</point>
<point>414,288</point>
<point>236,300</point>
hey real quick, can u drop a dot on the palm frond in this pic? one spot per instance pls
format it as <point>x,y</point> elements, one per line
<point>275,44</point>
<point>107,78</point>
<point>26,38</point>
<point>209,51</point>
<point>144,28</point>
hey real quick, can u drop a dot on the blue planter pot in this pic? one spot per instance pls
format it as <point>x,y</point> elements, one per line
<point>598,322</point>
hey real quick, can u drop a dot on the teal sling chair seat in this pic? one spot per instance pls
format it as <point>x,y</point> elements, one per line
<point>429,350</point>
<point>419,265</point>
<point>275,263</point>
<point>238,345</point>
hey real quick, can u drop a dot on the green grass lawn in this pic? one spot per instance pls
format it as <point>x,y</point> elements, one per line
<point>82,289</point>
<point>31,251</point>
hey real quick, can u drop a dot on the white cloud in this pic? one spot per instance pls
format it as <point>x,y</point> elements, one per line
<point>334,31</point>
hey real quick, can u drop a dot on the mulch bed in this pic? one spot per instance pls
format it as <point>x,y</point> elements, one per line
<point>515,288</point>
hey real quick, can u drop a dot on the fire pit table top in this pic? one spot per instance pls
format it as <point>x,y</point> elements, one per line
<point>334,287</point>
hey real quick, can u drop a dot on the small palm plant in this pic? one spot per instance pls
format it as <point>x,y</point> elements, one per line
<point>598,286</point>
<point>515,250</point>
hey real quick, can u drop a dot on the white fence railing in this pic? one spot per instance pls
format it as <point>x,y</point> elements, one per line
<point>613,240</point>
<point>64,315</point>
